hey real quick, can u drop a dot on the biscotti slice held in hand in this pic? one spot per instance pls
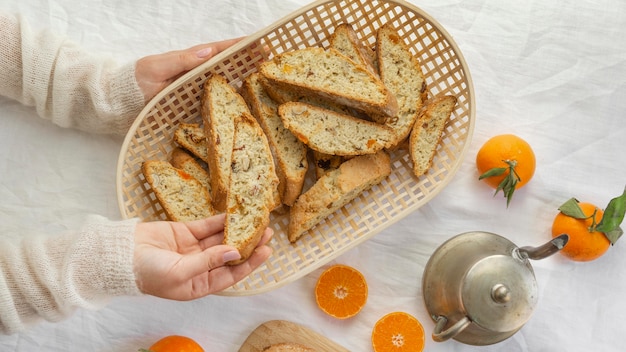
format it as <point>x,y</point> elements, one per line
<point>182,197</point>
<point>190,136</point>
<point>333,133</point>
<point>330,75</point>
<point>252,188</point>
<point>336,189</point>
<point>428,131</point>
<point>221,106</point>
<point>345,40</point>
<point>180,159</point>
<point>290,154</point>
<point>401,73</point>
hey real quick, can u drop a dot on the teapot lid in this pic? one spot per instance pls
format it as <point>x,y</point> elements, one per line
<point>499,292</point>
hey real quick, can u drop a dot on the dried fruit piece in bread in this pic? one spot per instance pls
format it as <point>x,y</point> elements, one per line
<point>345,40</point>
<point>401,73</point>
<point>427,132</point>
<point>180,159</point>
<point>252,188</point>
<point>333,133</point>
<point>182,197</point>
<point>190,136</point>
<point>290,154</point>
<point>332,76</point>
<point>325,163</point>
<point>336,189</point>
<point>221,106</point>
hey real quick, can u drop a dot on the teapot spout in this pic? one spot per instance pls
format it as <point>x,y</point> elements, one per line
<point>545,250</point>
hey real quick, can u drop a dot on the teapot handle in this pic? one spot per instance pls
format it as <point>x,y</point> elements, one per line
<point>440,336</point>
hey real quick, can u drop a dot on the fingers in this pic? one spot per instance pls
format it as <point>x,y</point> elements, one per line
<point>226,276</point>
<point>181,61</point>
<point>204,228</point>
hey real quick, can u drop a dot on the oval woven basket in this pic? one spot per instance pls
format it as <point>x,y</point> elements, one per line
<point>446,72</point>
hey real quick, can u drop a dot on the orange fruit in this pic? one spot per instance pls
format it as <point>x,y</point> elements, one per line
<point>506,162</point>
<point>398,332</point>
<point>583,245</point>
<point>176,343</point>
<point>341,291</point>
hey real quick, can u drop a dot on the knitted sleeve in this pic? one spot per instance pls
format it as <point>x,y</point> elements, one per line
<point>65,84</point>
<point>48,278</point>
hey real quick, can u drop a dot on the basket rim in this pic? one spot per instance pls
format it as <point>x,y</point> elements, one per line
<point>244,43</point>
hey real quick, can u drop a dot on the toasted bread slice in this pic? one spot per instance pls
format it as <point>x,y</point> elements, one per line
<point>401,73</point>
<point>221,106</point>
<point>336,189</point>
<point>333,133</point>
<point>181,159</point>
<point>332,76</point>
<point>190,136</point>
<point>324,163</point>
<point>182,197</point>
<point>427,132</point>
<point>345,40</point>
<point>290,154</point>
<point>252,188</point>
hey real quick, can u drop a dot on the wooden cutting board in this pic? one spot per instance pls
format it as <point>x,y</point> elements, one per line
<point>277,331</point>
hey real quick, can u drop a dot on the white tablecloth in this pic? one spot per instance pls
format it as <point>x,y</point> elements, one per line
<point>552,72</point>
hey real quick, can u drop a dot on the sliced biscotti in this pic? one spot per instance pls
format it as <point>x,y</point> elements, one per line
<point>181,159</point>
<point>190,136</point>
<point>427,132</point>
<point>334,133</point>
<point>221,105</point>
<point>330,75</point>
<point>325,163</point>
<point>252,188</point>
<point>182,197</point>
<point>336,189</point>
<point>290,154</point>
<point>401,73</point>
<point>345,40</point>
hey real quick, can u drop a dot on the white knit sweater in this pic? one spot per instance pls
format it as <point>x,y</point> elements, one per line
<point>51,277</point>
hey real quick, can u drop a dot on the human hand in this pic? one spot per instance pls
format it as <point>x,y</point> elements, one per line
<point>155,72</point>
<point>184,261</point>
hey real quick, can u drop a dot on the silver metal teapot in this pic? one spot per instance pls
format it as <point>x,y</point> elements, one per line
<point>480,288</point>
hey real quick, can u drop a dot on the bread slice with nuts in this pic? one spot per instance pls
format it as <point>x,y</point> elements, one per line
<point>182,197</point>
<point>330,75</point>
<point>401,73</point>
<point>335,189</point>
<point>345,40</point>
<point>221,106</point>
<point>290,154</point>
<point>190,136</point>
<point>252,188</point>
<point>334,133</point>
<point>181,159</point>
<point>427,132</point>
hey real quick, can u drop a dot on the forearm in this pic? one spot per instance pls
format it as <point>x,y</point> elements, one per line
<point>65,84</point>
<point>49,278</point>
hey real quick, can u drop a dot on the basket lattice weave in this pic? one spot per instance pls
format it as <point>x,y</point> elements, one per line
<point>401,193</point>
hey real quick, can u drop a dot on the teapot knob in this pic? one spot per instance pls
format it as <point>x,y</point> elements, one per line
<point>500,293</point>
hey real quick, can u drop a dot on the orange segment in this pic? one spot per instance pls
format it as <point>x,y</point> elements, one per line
<point>398,332</point>
<point>341,291</point>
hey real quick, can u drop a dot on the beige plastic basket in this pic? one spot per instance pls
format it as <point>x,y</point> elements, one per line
<point>401,193</point>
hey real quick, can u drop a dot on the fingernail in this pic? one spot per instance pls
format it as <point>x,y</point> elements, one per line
<point>231,255</point>
<point>204,52</point>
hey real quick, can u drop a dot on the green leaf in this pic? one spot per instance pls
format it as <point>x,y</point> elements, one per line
<point>614,235</point>
<point>613,215</point>
<point>572,209</point>
<point>496,171</point>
